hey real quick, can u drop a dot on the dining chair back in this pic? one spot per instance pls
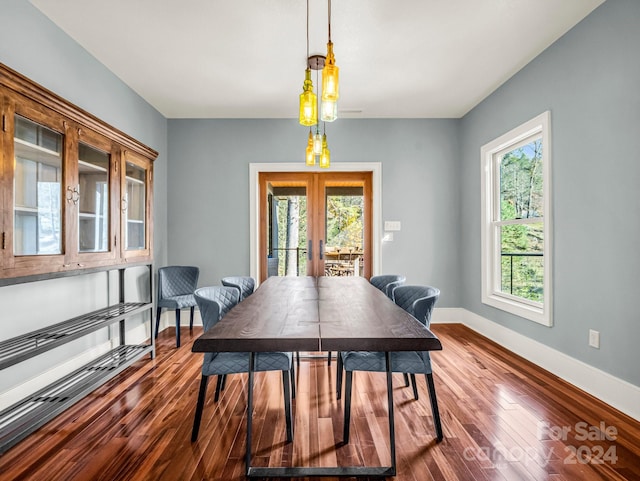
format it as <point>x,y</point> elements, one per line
<point>387,282</point>
<point>176,285</point>
<point>244,284</point>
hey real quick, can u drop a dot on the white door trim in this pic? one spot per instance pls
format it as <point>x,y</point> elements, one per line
<point>254,203</point>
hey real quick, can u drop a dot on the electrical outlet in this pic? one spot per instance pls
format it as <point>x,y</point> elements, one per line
<point>594,338</point>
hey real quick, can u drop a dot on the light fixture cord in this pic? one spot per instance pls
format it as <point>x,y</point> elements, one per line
<point>319,97</point>
<point>307,33</point>
<point>329,3</point>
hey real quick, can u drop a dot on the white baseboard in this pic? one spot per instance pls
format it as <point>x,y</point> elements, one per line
<point>614,391</point>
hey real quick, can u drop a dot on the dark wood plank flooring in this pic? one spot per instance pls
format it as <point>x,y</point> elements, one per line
<point>504,419</point>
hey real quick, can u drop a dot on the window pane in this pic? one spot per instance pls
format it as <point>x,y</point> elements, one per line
<point>522,260</point>
<point>521,182</point>
<point>37,189</point>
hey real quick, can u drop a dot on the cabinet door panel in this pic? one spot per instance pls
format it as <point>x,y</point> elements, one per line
<point>34,199</point>
<point>136,207</point>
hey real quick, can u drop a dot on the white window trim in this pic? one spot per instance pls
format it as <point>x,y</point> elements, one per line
<point>491,294</point>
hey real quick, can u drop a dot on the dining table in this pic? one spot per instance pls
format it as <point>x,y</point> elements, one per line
<point>293,314</point>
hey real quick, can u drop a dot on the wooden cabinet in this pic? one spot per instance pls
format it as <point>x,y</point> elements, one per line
<point>76,193</point>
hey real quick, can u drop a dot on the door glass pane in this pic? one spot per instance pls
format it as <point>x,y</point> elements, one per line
<point>287,231</point>
<point>344,231</point>
<point>135,212</point>
<point>37,189</point>
<point>93,214</point>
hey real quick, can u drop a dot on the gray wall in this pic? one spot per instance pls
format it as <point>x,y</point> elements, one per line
<point>209,190</point>
<point>35,47</point>
<point>590,81</point>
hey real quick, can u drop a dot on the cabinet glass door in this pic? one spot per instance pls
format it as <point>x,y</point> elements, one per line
<point>93,212</point>
<point>37,205</point>
<point>135,207</point>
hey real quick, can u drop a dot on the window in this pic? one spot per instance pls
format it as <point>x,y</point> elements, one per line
<point>516,224</point>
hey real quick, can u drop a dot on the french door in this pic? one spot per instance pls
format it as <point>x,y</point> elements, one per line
<point>315,224</point>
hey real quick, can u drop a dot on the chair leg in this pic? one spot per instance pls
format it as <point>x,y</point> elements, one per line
<point>339,376</point>
<point>434,406</point>
<point>177,327</point>
<point>406,379</point>
<point>158,311</point>
<point>286,382</point>
<point>293,381</point>
<point>199,408</point>
<point>191,318</point>
<point>219,386</point>
<point>415,386</point>
<point>329,359</point>
<point>347,406</point>
<point>298,358</point>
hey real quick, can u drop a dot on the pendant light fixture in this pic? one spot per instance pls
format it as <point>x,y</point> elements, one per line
<point>317,145</point>
<point>330,72</point>
<point>308,99</point>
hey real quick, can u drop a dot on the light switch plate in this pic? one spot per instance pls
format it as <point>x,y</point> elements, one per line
<point>392,225</point>
<point>594,338</point>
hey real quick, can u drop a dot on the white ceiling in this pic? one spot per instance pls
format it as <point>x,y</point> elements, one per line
<point>246,58</point>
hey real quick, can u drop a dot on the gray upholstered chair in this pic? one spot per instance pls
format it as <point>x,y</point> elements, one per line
<point>214,303</point>
<point>175,291</point>
<point>387,282</point>
<point>419,302</point>
<point>244,284</point>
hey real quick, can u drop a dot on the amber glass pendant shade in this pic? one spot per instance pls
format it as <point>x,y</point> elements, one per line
<point>308,102</point>
<point>330,73</point>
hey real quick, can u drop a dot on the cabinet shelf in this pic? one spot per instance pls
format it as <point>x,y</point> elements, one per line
<point>20,209</point>
<point>87,167</point>
<point>32,412</point>
<point>25,416</point>
<point>23,347</point>
<point>29,151</point>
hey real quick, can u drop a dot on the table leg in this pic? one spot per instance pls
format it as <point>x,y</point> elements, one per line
<point>249,412</point>
<point>307,471</point>
<point>392,431</point>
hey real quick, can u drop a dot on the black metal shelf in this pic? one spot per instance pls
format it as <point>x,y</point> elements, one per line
<point>30,413</point>
<point>20,348</point>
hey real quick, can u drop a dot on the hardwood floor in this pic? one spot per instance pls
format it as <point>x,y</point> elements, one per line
<point>504,419</point>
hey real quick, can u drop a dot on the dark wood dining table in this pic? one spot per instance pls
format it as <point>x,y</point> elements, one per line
<point>317,314</point>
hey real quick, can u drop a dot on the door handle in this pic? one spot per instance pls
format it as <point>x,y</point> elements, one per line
<point>321,250</point>
<point>310,251</point>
